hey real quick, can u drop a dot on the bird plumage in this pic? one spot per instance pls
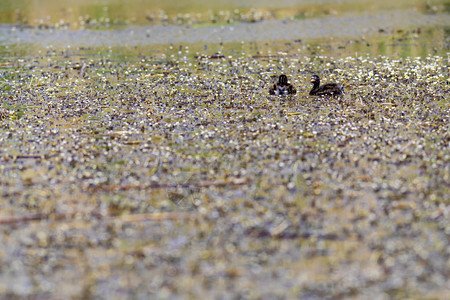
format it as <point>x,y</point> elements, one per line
<point>325,89</point>
<point>282,87</point>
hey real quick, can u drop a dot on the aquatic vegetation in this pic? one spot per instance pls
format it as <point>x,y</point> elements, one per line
<point>178,174</point>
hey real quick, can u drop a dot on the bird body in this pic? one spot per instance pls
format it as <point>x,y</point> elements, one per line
<point>282,87</point>
<point>325,89</point>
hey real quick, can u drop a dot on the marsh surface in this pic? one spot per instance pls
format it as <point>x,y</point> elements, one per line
<point>135,166</point>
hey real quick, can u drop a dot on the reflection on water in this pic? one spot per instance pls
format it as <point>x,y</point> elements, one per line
<point>413,43</point>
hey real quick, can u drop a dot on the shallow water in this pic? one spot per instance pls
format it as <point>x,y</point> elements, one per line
<point>182,176</point>
<point>339,27</point>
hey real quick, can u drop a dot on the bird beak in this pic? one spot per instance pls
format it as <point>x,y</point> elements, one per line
<point>313,80</point>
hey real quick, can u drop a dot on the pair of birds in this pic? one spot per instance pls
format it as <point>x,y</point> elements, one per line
<point>282,87</point>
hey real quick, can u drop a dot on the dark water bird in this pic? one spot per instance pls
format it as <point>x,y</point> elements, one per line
<point>325,89</point>
<point>282,87</point>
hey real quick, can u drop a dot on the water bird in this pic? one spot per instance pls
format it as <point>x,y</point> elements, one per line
<point>325,89</point>
<point>282,87</point>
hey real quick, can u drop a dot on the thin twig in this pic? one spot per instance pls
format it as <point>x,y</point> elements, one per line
<point>27,156</point>
<point>162,216</point>
<point>204,184</point>
<point>159,216</point>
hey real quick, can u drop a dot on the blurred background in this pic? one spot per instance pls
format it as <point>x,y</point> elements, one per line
<point>404,28</point>
<point>106,13</point>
